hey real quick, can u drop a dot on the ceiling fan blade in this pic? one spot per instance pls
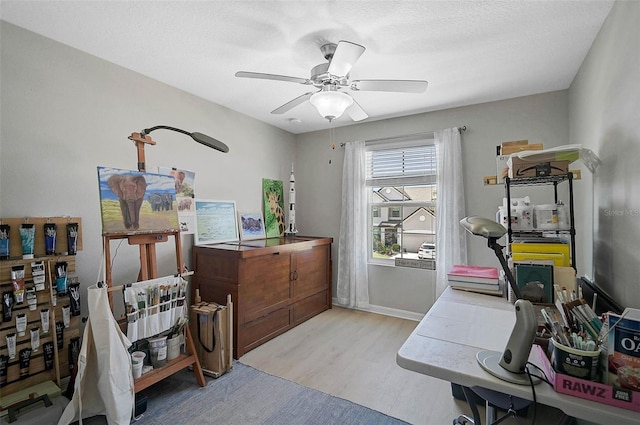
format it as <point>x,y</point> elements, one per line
<point>405,86</point>
<point>356,112</point>
<point>245,74</point>
<point>292,103</point>
<point>344,57</point>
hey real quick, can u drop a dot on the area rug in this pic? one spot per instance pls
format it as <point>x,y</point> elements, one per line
<point>247,396</point>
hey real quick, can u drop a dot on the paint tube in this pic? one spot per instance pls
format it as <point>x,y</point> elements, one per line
<point>50,231</point>
<point>72,238</point>
<point>25,360</point>
<point>61,277</point>
<point>21,324</point>
<point>11,345</point>
<point>54,297</point>
<point>38,274</point>
<point>44,320</point>
<point>74,298</point>
<point>32,299</point>
<point>74,351</point>
<point>66,315</point>
<point>60,334</point>
<point>27,237</point>
<point>35,339</point>
<point>4,241</point>
<point>7,306</point>
<point>47,349</point>
<point>4,368</point>
<point>17,278</point>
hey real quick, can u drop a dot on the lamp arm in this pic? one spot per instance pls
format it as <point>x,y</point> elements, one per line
<point>163,127</point>
<point>497,248</point>
<point>198,137</point>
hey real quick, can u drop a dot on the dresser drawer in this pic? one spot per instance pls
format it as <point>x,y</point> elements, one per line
<point>309,307</point>
<point>258,331</point>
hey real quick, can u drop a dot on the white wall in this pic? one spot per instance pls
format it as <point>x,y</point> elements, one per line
<point>65,112</point>
<point>539,118</point>
<point>605,108</point>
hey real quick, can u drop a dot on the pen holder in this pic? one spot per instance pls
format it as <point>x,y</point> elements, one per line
<point>577,363</point>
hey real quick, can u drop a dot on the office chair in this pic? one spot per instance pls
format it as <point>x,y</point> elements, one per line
<point>493,400</point>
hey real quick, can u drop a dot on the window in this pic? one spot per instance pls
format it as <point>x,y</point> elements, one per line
<point>401,181</point>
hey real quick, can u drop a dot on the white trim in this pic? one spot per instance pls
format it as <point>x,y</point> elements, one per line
<point>386,311</point>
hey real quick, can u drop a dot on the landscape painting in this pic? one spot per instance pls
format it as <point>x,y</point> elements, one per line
<point>136,202</point>
<point>273,208</point>
<point>216,221</point>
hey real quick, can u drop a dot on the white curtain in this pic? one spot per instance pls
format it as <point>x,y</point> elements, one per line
<point>353,280</point>
<point>451,242</point>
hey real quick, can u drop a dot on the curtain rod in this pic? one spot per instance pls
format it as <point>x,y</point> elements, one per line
<point>422,133</point>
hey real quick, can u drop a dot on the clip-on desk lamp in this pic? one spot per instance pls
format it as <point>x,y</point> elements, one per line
<point>511,364</point>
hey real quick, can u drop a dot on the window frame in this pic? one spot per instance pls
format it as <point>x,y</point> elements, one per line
<point>428,180</point>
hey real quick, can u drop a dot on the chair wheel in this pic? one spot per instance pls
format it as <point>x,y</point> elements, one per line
<point>463,420</point>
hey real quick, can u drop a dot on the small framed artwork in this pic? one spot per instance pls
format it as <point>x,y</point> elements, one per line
<point>251,226</point>
<point>216,221</point>
<point>535,282</point>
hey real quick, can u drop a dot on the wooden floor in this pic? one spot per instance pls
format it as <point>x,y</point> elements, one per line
<point>352,354</point>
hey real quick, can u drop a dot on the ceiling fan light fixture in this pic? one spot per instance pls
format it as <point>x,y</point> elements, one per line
<point>331,104</point>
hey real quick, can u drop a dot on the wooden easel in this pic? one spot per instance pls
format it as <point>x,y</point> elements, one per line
<point>149,270</point>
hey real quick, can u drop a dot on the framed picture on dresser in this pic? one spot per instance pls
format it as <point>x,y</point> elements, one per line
<point>216,221</point>
<point>251,226</point>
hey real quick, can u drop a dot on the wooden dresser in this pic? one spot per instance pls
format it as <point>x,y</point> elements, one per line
<point>275,284</point>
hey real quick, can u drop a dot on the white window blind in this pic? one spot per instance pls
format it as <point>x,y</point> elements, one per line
<point>404,165</point>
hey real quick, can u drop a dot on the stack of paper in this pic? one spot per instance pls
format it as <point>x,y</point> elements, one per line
<point>475,278</point>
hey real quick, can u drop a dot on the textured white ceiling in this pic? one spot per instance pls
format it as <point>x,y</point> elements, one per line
<point>469,51</point>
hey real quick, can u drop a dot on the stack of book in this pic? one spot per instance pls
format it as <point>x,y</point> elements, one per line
<point>480,279</point>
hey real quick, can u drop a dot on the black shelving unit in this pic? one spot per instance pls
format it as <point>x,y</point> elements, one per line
<point>539,181</point>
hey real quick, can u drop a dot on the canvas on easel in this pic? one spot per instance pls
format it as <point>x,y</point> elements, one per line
<point>136,202</point>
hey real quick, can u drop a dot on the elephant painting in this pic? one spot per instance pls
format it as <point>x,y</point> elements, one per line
<point>130,190</point>
<point>137,202</point>
<point>160,201</point>
<point>155,200</point>
<point>167,202</point>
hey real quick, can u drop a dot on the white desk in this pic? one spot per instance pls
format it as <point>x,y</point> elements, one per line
<point>445,343</point>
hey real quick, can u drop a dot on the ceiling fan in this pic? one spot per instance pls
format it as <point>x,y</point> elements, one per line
<point>333,76</point>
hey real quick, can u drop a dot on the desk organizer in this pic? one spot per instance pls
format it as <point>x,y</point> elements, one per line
<point>594,391</point>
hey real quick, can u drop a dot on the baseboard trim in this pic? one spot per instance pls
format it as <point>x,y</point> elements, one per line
<point>387,311</point>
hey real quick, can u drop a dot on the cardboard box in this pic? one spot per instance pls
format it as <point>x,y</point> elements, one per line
<point>514,143</point>
<point>521,167</point>
<point>623,348</point>
<point>210,326</point>
<point>508,150</point>
<point>502,168</point>
<point>589,390</point>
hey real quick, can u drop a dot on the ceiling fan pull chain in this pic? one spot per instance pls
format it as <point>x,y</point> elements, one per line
<point>332,143</point>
